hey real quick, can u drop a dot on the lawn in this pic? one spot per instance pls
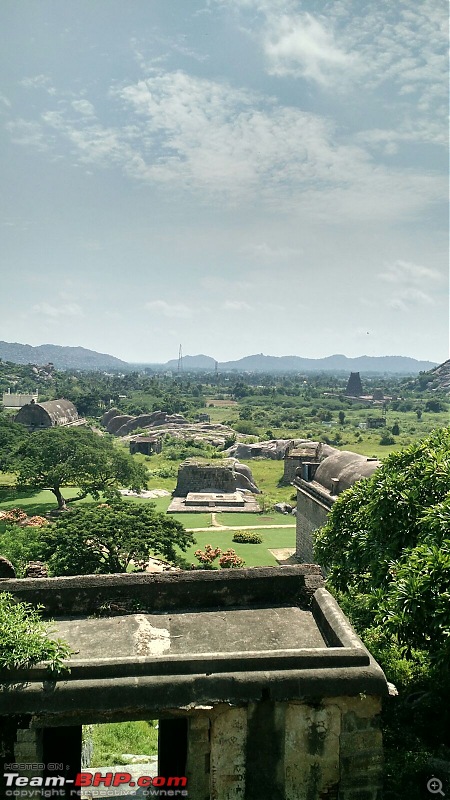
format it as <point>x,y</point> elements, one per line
<point>235,520</point>
<point>35,502</point>
<point>193,520</point>
<point>112,740</point>
<point>254,555</point>
<point>267,473</point>
<point>43,501</point>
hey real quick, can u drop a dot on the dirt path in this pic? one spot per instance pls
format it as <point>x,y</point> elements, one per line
<point>238,528</point>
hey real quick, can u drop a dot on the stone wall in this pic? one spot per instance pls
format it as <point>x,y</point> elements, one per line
<point>312,512</point>
<point>222,477</point>
<point>294,750</point>
<point>89,594</point>
<point>287,751</point>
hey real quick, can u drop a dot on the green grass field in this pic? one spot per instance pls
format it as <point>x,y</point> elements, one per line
<point>235,520</point>
<point>254,555</point>
<point>111,740</point>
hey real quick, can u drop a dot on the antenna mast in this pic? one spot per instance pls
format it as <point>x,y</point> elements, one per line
<point>180,359</point>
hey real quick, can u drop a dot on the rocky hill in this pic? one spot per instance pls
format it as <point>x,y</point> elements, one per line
<point>60,357</point>
<point>440,377</point>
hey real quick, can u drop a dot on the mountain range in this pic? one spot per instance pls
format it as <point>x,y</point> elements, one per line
<point>60,357</point>
<point>336,363</point>
<point>83,359</point>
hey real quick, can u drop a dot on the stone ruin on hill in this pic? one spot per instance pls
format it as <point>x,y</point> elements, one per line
<point>274,449</point>
<point>214,476</point>
<point>174,425</point>
<point>214,486</point>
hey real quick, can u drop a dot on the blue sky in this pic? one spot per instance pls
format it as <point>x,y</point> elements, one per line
<point>237,176</point>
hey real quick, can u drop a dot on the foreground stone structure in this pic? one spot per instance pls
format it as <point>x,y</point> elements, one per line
<point>261,687</point>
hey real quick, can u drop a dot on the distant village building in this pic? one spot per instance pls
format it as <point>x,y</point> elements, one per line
<point>51,414</point>
<point>12,400</point>
<point>376,422</point>
<point>203,418</point>
<point>147,445</point>
<point>318,485</point>
<point>354,385</point>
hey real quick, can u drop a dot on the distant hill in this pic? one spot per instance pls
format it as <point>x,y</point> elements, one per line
<point>60,357</point>
<point>192,363</point>
<point>394,365</point>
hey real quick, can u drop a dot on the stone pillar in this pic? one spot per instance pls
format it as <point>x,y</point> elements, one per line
<point>265,751</point>
<point>28,750</point>
<point>199,755</point>
<point>228,746</point>
<point>311,751</point>
<point>361,748</point>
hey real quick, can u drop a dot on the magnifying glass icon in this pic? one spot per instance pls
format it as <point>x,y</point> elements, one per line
<point>434,786</point>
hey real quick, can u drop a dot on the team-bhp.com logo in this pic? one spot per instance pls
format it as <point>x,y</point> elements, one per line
<point>20,785</point>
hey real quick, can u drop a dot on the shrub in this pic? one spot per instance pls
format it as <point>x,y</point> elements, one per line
<point>207,556</point>
<point>230,560</point>
<point>25,637</point>
<point>247,537</point>
<point>21,544</point>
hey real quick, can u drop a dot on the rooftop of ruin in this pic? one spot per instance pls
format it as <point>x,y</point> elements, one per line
<point>151,642</point>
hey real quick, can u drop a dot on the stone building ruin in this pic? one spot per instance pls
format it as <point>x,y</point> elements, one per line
<point>225,485</point>
<point>261,687</point>
<point>318,484</point>
<point>51,414</point>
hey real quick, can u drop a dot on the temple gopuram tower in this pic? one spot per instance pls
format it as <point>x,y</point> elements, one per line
<point>354,385</point>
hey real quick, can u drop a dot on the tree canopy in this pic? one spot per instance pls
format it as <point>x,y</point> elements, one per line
<point>58,457</point>
<point>110,538</point>
<point>26,639</point>
<point>388,537</point>
<point>12,435</point>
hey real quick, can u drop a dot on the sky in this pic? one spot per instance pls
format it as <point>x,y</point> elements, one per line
<point>235,176</point>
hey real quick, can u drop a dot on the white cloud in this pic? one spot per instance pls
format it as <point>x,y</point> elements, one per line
<point>410,285</point>
<point>237,305</point>
<point>398,48</point>
<point>270,253</point>
<point>27,133</point>
<point>405,272</point>
<point>83,107</point>
<point>38,82</point>
<point>171,310</point>
<point>409,298</point>
<point>5,101</point>
<point>63,310</point>
<point>303,46</point>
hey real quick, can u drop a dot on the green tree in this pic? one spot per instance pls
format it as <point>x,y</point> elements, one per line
<point>12,434</point>
<point>26,638</point>
<point>58,457</point>
<point>111,538</point>
<point>374,522</point>
<point>21,545</point>
<point>386,548</point>
<point>341,417</point>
